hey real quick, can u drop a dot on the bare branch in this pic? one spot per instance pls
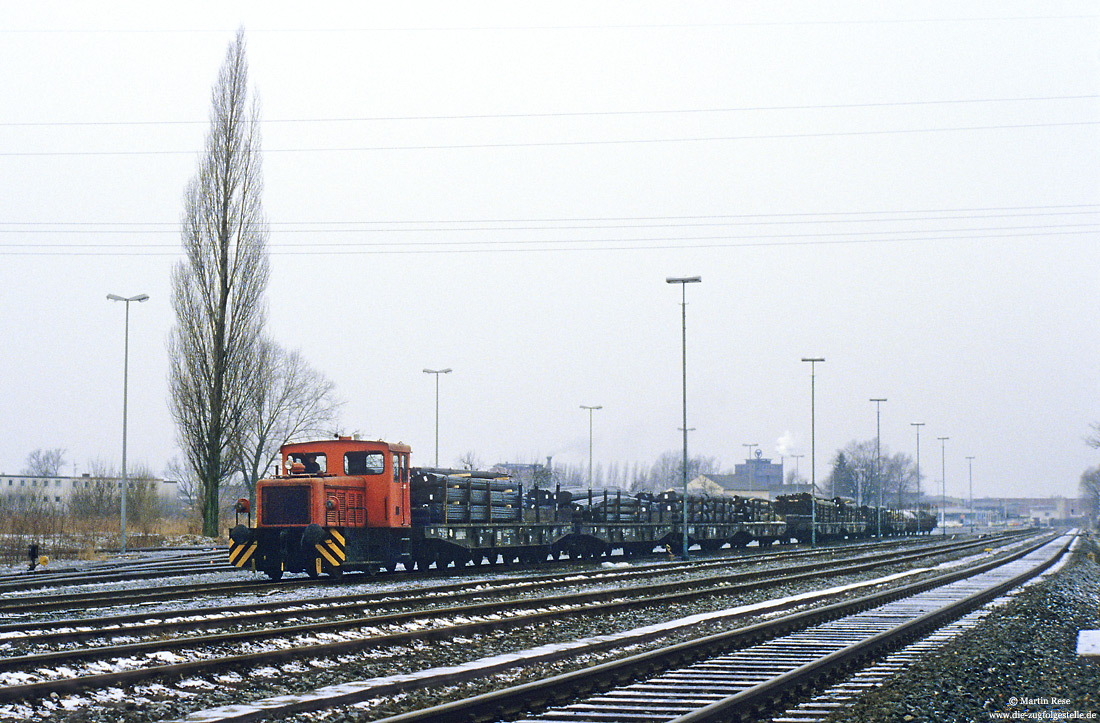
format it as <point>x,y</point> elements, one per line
<point>45,462</point>
<point>289,401</point>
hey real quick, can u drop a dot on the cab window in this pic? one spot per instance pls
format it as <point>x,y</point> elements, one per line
<point>313,462</point>
<point>400,463</point>
<point>358,463</point>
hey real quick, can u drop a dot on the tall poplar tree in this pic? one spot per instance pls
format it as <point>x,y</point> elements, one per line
<point>218,287</point>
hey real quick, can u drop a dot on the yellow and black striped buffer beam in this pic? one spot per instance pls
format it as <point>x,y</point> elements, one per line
<point>333,548</point>
<point>241,554</point>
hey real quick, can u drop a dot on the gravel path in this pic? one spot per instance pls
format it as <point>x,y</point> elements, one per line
<point>1019,663</point>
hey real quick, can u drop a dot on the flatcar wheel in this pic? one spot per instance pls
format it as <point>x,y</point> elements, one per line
<point>274,573</point>
<point>336,572</point>
<point>312,572</point>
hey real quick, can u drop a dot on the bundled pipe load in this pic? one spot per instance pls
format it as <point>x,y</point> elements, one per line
<point>464,496</point>
<point>612,507</point>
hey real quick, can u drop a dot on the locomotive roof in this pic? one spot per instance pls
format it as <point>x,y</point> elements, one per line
<point>345,444</point>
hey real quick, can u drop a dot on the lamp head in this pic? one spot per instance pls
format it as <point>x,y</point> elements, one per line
<point>139,297</point>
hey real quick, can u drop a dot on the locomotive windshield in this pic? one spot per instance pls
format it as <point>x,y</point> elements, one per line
<point>357,463</point>
<point>312,462</point>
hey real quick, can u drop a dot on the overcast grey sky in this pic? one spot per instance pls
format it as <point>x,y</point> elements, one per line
<point>910,190</point>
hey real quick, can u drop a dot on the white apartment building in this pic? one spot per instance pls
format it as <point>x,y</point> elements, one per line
<point>58,490</point>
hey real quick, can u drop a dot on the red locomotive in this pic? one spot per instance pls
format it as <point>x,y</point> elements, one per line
<point>340,504</point>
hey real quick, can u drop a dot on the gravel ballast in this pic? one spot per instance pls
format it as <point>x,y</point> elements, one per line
<point>1018,663</point>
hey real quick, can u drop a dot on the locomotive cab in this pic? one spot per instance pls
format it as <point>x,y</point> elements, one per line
<point>333,505</point>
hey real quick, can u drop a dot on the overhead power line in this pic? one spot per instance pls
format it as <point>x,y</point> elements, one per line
<point>565,144</point>
<point>510,229</point>
<point>348,227</point>
<point>548,223</point>
<point>580,244</point>
<point>708,25</point>
<point>567,114</point>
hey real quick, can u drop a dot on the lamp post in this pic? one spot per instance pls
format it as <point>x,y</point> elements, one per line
<point>918,425</point>
<point>813,451</point>
<point>590,411</point>
<point>683,281</point>
<point>943,485</point>
<point>970,465</point>
<point>437,372</point>
<point>878,459</point>
<point>125,385</point>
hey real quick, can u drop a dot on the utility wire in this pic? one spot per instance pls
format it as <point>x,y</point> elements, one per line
<point>566,114</point>
<point>583,223</point>
<point>368,227</point>
<point>318,244</point>
<point>543,245</point>
<point>564,144</point>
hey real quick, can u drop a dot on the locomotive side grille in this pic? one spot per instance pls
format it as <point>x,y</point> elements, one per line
<point>357,516</point>
<point>349,509</point>
<point>337,516</point>
<point>285,505</point>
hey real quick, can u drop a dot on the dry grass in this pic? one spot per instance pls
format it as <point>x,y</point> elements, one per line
<point>94,538</point>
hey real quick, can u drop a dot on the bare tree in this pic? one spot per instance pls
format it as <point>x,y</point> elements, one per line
<point>1090,494</point>
<point>218,287</point>
<point>95,501</point>
<point>188,490</point>
<point>854,474</point>
<point>667,473</point>
<point>1093,440</point>
<point>470,461</point>
<point>288,401</point>
<point>45,463</point>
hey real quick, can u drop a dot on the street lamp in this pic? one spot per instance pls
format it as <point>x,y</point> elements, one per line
<point>918,425</point>
<point>683,281</point>
<point>590,410</point>
<point>813,452</point>
<point>943,484</point>
<point>878,459</point>
<point>437,372</point>
<point>970,465</point>
<point>125,385</point>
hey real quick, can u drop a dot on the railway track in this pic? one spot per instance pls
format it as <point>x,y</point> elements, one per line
<point>345,611</point>
<point>743,674</point>
<point>818,708</point>
<point>469,630</point>
<point>62,672</point>
<point>201,563</point>
<point>31,604</point>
